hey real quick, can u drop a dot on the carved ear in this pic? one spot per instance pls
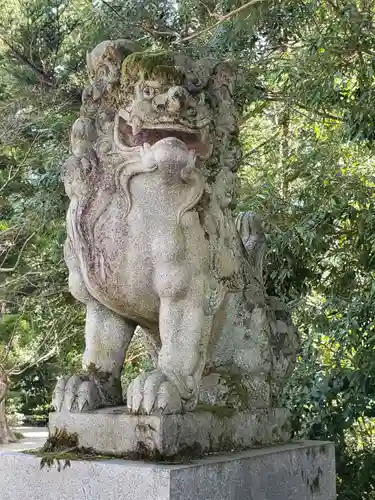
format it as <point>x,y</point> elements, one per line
<point>224,74</point>
<point>218,74</point>
<point>126,47</point>
<point>203,68</point>
<point>113,50</point>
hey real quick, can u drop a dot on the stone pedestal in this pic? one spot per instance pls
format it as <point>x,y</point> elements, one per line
<point>114,431</point>
<point>299,471</point>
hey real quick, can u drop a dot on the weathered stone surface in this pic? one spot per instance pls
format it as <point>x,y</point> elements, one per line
<point>152,241</point>
<point>115,431</point>
<point>302,471</point>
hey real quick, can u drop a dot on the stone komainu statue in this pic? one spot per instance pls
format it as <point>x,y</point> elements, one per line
<point>152,241</point>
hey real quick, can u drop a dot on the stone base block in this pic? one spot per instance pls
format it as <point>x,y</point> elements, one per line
<point>300,471</point>
<point>113,431</point>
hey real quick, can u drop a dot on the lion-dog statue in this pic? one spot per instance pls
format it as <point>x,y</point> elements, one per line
<point>152,241</point>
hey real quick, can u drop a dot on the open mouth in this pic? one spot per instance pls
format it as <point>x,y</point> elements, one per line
<point>132,136</point>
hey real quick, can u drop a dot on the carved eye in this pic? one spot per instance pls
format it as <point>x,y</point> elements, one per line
<point>196,82</point>
<point>148,92</point>
<point>102,72</point>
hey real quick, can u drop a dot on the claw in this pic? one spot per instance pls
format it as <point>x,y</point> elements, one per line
<point>139,383</point>
<point>87,396</point>
<point>146,147</point>
<point>129,396</point>
<point>151,388</point>
<point>59,392</point>
<point>205,133</point>
<point>155,392</point>
<point>186,385</point>
<point>71,392</point>
<point>169,400</point>
<point>80,393</point>
<point>192,158</point>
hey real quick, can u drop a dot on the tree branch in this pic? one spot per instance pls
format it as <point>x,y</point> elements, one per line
<point>45,78</point>
<point>3,386</point>
<point>110,7</point>
<point>261,145</point>
<point>291,102</point>
<point>208,10</point>
<point>222,19</point>
<point>9,345</point>
<point>5,231</point>
<point>11,269</point>
<point>155,33</point>
<point>322,114</point>
<point>39,357</point>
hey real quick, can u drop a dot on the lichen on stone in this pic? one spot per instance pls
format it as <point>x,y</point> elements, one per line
<point>148,65</point>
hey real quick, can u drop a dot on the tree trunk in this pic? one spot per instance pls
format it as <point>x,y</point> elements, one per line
<point>6,434</point>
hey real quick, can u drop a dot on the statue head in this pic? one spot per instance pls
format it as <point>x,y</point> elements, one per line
<point>165,94</point>
<point>147,96</point>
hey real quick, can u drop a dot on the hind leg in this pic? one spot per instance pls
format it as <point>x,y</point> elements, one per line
<point>107,338</point>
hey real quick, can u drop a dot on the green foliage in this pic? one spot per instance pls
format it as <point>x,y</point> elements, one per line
<point>42,54</point>
<point>32,390</point>
<point>14,413</point>
<point>308,172</point>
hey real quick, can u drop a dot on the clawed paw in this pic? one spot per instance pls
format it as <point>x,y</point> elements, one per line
<point>153,392</point>
<point>76,394</point>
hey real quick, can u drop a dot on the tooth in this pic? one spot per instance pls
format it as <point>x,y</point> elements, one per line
<point>192,158</point>
<point>124,114</point>
<point>205,133</point>
<point>136,126</point>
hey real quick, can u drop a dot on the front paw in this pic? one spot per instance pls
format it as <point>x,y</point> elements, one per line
<point>153,392</point>
<point>81,393</point>
<point>75,394</point>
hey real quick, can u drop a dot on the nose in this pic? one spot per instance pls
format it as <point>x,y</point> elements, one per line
<point>173,101</point>
<point>177,98</point>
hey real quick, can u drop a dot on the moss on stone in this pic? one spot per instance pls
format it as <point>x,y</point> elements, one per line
<point>168,74</point>
<point>147,65</point>
<point>217,410</point>
<point>92,368</point>
<point>61,448</point>
<point>60,441</point>
<point>186,455</point>
<point>63,458</point>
